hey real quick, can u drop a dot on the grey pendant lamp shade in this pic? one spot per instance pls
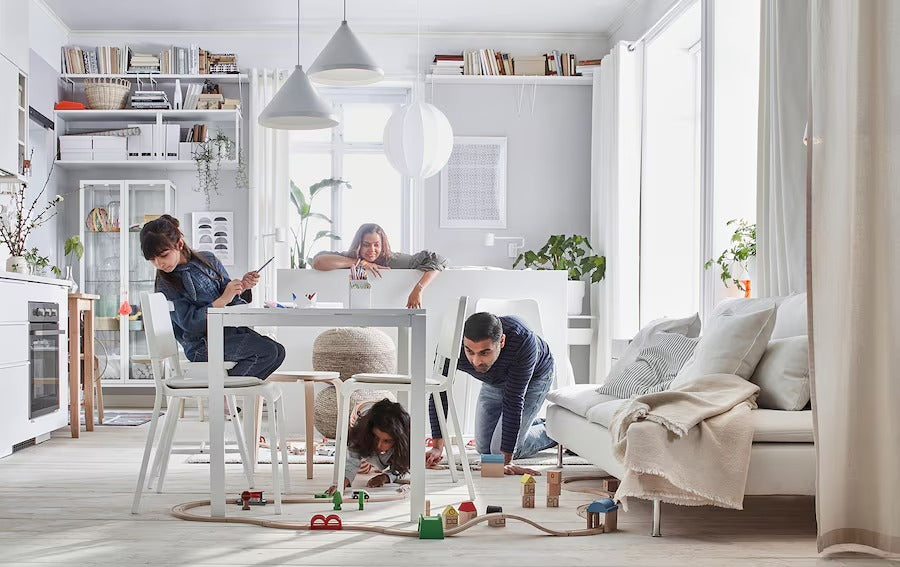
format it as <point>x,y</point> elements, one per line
<point>344,61</point>
<point>297,106</point>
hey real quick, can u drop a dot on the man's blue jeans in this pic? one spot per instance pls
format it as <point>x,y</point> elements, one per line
<point>532,433</point>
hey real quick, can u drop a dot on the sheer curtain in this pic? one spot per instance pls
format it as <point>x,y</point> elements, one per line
<point>615,199</point>
<point>781,171</point>
<point>854,239</point>
<point>269,182</point>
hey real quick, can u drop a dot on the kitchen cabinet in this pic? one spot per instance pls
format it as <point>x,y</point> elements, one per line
<point>14,43</point>
<point>13,118</point>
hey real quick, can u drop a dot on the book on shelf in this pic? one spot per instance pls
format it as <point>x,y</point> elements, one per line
<point>115,60</point>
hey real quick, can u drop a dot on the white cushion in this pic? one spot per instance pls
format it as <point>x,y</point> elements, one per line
<point>775,426</point>
<point>783,374</point>
<point>791,318</point>
<point>201,381</point>
<point>732,344</point>
<point>687,326</point>
<point>579,398</point>
<point>602,414</point>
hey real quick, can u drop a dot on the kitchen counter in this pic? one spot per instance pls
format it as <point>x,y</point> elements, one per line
<point>33,279</point>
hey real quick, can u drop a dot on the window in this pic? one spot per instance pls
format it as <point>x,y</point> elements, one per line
<point>353,151</point>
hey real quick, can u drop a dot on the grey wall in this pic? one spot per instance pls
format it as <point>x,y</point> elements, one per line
<point>548,165</point>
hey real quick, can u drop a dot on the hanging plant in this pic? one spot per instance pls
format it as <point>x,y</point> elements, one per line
<point>208,156</point>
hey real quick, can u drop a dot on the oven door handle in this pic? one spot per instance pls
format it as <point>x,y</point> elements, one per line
<point>47,333</point>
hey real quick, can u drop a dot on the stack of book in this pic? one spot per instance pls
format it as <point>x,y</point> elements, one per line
<point>231,104</point>
<point>222,63</point>
<point>210,101</point>
<point>448,65</point>
<point>143,63</point>
<point>561,64</point>
<point>487,62</point>
<point>150,99</point>
<point>196,133</point>
<point>586,67</point>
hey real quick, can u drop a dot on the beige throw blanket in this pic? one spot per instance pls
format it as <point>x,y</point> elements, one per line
<point>687,446</point>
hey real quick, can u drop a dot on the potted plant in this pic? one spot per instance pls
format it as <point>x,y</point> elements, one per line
<point>570,253</point>
<point>18,222</point>
<point>734,261</point>
<point>73,246</point>
<point>208,156</point>
<point>303,204</point>
<point>37,264</point>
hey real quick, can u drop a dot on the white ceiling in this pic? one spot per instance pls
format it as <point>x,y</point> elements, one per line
<point>444,16</point>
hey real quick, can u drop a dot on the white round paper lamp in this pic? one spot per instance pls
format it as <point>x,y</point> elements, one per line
<point>418,140</point>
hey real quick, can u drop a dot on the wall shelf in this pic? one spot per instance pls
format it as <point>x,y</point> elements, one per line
<point>221,78</point>
<point>147,114</point>
<point>171,164</point>
<point>508,80</point>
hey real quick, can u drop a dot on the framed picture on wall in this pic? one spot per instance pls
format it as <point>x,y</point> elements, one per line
<point>213,231</point>
<point>473,184</point>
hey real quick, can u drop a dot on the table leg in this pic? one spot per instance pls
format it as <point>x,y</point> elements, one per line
<point>74,369</point>
<point>216,356</point>
<point>418,412</point>
<point>88,367</point>
<point>309,397</point>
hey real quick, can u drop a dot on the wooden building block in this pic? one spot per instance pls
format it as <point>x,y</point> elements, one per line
<point>552,501</point>
<point>528,501</point>
<point>610,484</point>
<point>609,522</point>
<point>492,470</point>
<point>554,490</point>
<point>528,489</point>
<point>554,477</point>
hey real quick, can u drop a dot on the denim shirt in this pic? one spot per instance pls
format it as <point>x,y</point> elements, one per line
<point>202,286</point>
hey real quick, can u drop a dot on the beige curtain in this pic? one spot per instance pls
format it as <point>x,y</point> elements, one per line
<point>854,270</point>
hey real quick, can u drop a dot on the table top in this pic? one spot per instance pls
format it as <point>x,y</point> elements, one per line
<point>311,312</point>
<point>88,296</point>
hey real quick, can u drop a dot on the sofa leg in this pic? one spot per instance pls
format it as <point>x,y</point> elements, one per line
<point>559,455</point>
<point>657,511</point>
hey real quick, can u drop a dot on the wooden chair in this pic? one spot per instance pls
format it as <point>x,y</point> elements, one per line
<point>172,384</point>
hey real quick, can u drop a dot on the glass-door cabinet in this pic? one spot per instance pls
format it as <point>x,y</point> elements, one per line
<point>112,213</point>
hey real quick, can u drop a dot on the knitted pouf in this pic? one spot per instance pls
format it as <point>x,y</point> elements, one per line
<point>349,351</point>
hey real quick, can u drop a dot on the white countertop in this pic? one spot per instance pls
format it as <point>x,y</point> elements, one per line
<point>33,279</point>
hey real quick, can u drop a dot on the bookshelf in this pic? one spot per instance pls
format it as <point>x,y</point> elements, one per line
<point>508,80</point>
<point>164,164</point>
<point>218,77</point>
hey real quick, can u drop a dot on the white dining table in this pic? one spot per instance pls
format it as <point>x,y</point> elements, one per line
<point>411,359</point>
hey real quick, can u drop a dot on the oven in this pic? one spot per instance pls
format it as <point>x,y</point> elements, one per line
<point>44,351</point>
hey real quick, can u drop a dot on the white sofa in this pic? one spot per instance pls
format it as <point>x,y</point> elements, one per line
<point>782,458</point>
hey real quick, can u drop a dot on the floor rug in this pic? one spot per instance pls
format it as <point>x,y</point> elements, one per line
<point>122,417</point>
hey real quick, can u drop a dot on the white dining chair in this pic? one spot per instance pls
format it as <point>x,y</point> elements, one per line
<point>175,386</point>
<point>440,381</point>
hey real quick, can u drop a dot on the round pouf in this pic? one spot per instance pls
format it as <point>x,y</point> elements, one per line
<point>349,351</point>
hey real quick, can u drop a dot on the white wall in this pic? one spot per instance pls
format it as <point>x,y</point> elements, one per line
<point>47,34</point>
<point>640,16</point>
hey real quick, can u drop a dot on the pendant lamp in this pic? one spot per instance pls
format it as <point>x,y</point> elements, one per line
<point>418,138</point>
<point>344,61</point>
<point>297,105</point>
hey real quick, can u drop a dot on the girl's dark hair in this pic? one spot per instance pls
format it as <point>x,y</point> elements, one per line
<point>391,418</point>
<point>371,228</point>
<point>163,234</point>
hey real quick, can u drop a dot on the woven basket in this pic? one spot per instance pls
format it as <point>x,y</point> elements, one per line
<point>106,93</point>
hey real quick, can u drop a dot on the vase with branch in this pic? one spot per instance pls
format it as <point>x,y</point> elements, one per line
<point>734,261</point>
<point>73,246</point>
<point>21,218</point>
<point>303,204</point>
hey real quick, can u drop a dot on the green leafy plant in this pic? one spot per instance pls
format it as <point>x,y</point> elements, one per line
<point>73,246</point>
<point>736,258</point>
<point>303,204</point>
<point>570,253</point>
<point>37,263</point>
<point>208,158</point>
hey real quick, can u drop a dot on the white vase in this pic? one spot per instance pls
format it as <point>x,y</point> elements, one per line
<point>17,264</point>
<point>73,285</point>
<point>575,296</point>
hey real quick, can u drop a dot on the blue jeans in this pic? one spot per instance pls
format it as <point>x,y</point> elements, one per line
<point>254,354</point>
<point>532,433</point>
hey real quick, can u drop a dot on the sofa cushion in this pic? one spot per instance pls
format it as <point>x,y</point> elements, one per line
<point>791,318</point>
<point>732,344</point>
<point>687,326</point>
<point>579,398</point>
<point>656,365</point>
<point>776,426</point>
<point>602,414</point>
<point>783,374</point>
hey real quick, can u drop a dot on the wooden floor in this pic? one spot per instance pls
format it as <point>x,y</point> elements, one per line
<point>67,502</point>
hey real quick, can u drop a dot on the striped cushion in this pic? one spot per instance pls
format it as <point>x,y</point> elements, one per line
<point>656,365</point>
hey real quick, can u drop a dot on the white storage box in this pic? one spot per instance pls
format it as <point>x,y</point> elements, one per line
<point>186,150</point>
<point>76,155</point>
<point>67,143</point>
<point>110,148</point>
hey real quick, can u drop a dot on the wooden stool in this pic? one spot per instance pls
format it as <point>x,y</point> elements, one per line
<point>83,303</point>
<point>309,379</point>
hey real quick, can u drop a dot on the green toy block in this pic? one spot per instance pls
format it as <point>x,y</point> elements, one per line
<point>431,527</point>
<point>362,502</point>
<point>337,500</point>
<point>323,495</point>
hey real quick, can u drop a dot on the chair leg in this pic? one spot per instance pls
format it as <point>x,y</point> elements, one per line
<point>282,439</point>
<point>273,451</point>
<point>340,445</point>
<point>309,396</point>
<point>167,450</point>
<point>448,441</point>
<point>461,445</point>
<point>172,409</point>
<point>148,446</point>
<point>200,409</point>
<point>241,443</point>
